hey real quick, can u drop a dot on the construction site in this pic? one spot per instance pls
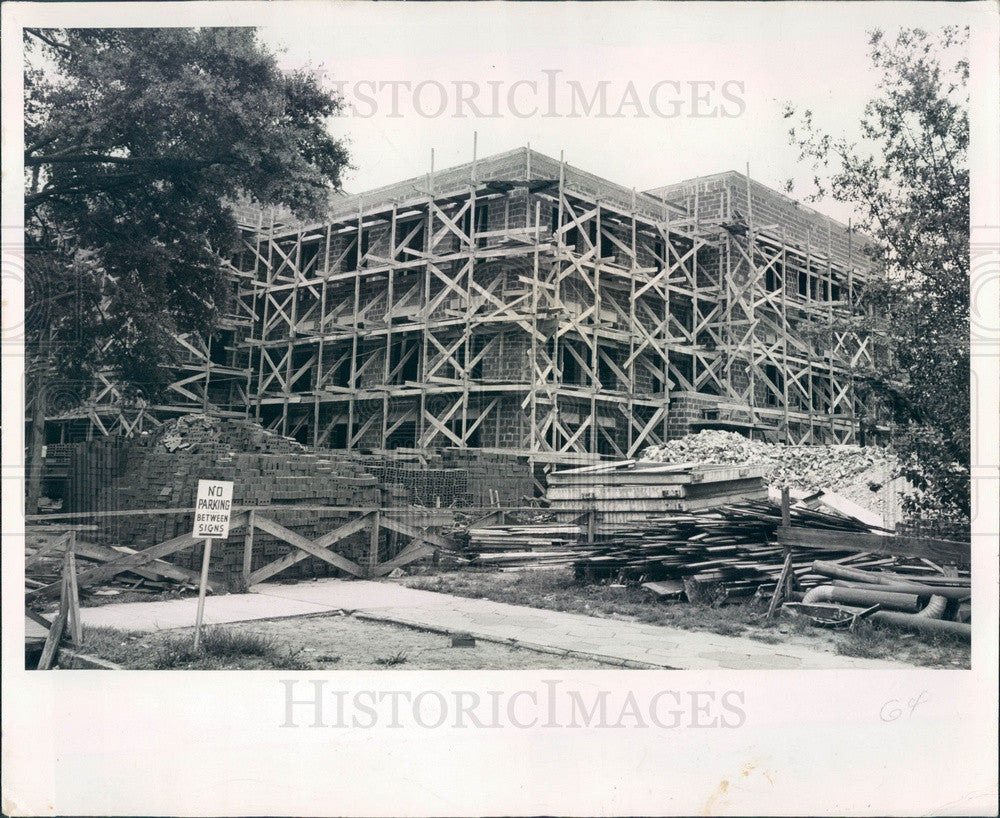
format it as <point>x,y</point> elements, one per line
<point>516,303</point>
<point>508,370</point>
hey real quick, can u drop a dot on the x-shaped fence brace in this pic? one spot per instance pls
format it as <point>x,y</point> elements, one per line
<point>408,523</point>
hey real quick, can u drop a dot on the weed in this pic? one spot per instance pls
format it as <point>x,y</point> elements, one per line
<point>868,640</point>
<point>872,640</point>
<point>225,643</point>
<point>391,661</point>
<point>110,643</point>
<point>220,648</point>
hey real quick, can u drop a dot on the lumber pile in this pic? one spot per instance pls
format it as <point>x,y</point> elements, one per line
<point>630,491</point>
<point>517,546</point>
<point>733,546</point>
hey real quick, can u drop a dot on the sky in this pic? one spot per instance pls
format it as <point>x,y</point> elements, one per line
<point>710,83</point>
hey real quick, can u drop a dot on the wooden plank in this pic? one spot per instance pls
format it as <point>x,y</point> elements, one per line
<point>37,618</point>
<point>328,539</point>
<point>600,491</point>
<point>373,541</point>
<point>73,593</point>
<point>47,548</point>
<point>851,509</point>
<point>139,559</point>
<point>55,632</point>
<point>152,570</point>
<point>779,589</point>
<point>411,531</point>
<point>248,549</point>
<point>663,475</point>
<point>345,530</point>
<point>415,551</point>
<point>940,551</point>
<point>308,546</point>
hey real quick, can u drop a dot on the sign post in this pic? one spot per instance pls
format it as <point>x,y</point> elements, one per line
<point>211,522</point>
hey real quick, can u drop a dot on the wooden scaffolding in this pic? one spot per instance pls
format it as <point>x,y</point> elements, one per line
<point>521,305</point>
<point>518,304</point>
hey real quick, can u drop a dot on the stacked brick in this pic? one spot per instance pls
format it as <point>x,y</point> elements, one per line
<point>721,195</point>
<point>90,466</point>
<point>266,470</point>
<point>508,476</point>
<point>451,478</point>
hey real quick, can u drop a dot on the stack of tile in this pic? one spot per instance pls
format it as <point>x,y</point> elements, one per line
<point>492,476</point>
<point>630,491</point>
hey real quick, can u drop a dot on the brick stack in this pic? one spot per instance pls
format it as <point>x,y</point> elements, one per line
<point>509,476</point>
<point>90,466</point>
<point>409,481</point>
<point>450,477</point>
<point>266,469</point>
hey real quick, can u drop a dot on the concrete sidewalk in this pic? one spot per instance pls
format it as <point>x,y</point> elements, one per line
<point>609,640</point>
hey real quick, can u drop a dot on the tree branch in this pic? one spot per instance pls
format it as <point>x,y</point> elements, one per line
<point>37,33</point>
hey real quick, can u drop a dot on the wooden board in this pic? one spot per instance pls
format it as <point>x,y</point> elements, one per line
<point>940,551</point>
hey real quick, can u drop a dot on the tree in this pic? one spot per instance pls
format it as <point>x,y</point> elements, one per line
<point>136,143</point>
<point>908,179</point>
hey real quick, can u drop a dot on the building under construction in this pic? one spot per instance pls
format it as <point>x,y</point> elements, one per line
<point>519,304</point>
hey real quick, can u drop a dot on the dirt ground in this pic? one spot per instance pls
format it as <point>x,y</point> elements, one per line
<point>328,642</point>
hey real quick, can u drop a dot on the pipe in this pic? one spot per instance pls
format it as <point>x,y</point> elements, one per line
<point>926,620</point>
<point>934,609</point>
<point>916,622</point>
<point>830,569</point>
<point>894,588</point>
<point>863,598</point>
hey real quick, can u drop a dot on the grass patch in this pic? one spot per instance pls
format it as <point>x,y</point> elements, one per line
<point>867,640</point>
<point>559,591</point>
<point>874,640</point>
<point>220,649</point>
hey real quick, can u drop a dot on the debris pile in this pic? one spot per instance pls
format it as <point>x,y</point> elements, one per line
<point>45,549</point>
<point>864,474</point>
<point>211,435</point>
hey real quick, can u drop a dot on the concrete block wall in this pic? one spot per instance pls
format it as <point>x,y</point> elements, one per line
<point>719,195</point>
<point>687,408</point>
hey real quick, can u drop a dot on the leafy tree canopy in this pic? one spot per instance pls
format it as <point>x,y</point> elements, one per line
<point>908,179</point>
<point>136,140</point>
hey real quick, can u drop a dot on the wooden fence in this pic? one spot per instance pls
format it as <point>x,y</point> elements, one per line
<point>419,526</point>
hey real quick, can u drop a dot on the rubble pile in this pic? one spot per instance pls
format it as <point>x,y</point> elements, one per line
<point>206,434</point>
<point>864,474</point>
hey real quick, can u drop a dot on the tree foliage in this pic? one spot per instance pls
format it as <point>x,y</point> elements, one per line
<point>908,179</point>
<point>136,141</point>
